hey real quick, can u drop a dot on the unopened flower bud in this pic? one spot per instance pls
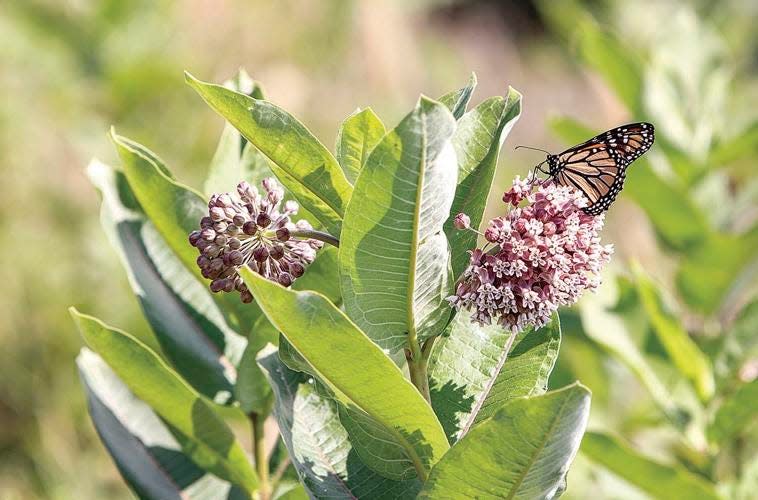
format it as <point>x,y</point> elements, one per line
<point>263,219</point>
<point>232,230</point>
<point>206,222</point>
<point>217,285</point>
<point>224,201</point>
<point>462,221</point>
<point>250,228</point>
<point>260,254</point>
<point>217,214</point>
<point>246,297</point>
<point>220,240</point>
<point>234,243</point>
<point>282,234</point>
<point>220,226</point>
<point>296,269</point>
<point>291,207</point>
<point>236,257</point>
<point>285,279</point>
<point>238,220</point>
<point>208,234</point>
<point>276,252</point>
<point>194,237</point>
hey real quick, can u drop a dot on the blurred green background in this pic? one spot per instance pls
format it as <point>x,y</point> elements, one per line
<point>71,69</point>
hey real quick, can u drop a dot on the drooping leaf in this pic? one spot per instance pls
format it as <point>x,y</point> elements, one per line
<point>209,442</point>
<point>149,457</point>
<point>291,147</point>
<point>394,257</point>
<point>736,413</point>
<point>658,480</point>
<point>457,100</point>
<point>318,444</point>
<point>357,136</point>
<point>175,210</point>
<point>190,328</point>
<point>229,165</point>
<point>332,344</point>
<point>474,370</point>
<point>477,141</point>
<point>681,349</point>
<point>523,451</point>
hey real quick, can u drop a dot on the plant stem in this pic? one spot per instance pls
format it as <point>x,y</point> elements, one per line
<point>417,360</point>
<point>259,453</point>
<point>316,235</point>
<point>279,472</point>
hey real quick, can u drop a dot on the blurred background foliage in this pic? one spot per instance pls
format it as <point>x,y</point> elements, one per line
<point>666,345</point>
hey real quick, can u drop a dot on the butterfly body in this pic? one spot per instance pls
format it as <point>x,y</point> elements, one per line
<point>598,166</point>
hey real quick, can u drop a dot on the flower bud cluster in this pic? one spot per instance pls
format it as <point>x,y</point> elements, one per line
<point>544,254</point>
<point>250,230</point>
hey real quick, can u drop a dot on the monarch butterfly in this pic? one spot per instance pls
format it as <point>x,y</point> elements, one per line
<point>598,166</point>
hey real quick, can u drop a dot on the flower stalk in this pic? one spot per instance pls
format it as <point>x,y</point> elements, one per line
<point>259,455</point>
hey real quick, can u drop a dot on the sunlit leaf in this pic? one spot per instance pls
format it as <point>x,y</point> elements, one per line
<point>523,451</point>
<point>457,100</point>
<point>475,370</point>
<point>331,344</point>
<point>210,443</point>
<point>318,444</point>
<point>149,457</point>
<point>357,136</point>
<point>737,412</point>
<point>477,141</point>
<point>394,257</point>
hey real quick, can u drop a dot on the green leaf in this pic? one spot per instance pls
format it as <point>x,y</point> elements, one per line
<point>175,210</point>
<point>457,100</point>
<point>187,323</point>
<point>473,370</point>
<point>317,443</point>
<point>740,344</point>
<point>477,142</point>
<point>737,412</point>
<point>681,349</point>
<point>322,275</point>
<point>148,456</point>
<point>353,367</point>
<point>394,257</point>
<point>706,274</point>
<point>620,67</point>
<point>523,451</point>
<point>609,331</point>
<point>212,444</point>
<point>357,136</point>
<point>675,217</point>
<point>228,165</point>
<point>736,148</point>
<point>292,148</point>
<point>658,480</point>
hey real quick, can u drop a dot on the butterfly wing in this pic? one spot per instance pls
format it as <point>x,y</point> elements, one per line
<point>597,167</point>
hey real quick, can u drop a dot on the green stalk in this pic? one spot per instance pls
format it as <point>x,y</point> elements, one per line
<point>418,361</point>
<point>259,453</point>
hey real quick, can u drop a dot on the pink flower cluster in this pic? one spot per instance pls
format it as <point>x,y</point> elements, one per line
<point>543,256</point>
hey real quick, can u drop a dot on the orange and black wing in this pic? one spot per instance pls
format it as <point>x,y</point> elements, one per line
<point>598,167</point>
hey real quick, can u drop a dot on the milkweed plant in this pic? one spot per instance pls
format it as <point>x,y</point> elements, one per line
<point>394,343</point>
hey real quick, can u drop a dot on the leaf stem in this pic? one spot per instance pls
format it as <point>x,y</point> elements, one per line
<point>418,359</point>
<point>316,235</point>
<point>259,453</point>
<point>279,472</point>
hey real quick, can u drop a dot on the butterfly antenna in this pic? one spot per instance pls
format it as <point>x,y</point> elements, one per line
<point>534,149</point>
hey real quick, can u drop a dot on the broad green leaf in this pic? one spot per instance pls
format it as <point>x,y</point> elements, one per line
<point>523,451</point>
<point>175,210</point>
<point>318,444</point>
<point>291,147</point>
<point>474,370</point>
<point>736,148</point>
<point>620,67</point>
<point>658,480</point>
<point>681,349</point>
<point>706,274</point>
<point>675,217</point>
<point>737,412</point>
<point>357,136</point>
<point>211,443</point>
<point>394,257</point>
<point>228,165</point>
<point>149,457</point>
<point>354,368</point>
<point>187,323</point>
<point>609,332</point>
<point>322,276</point>
<point>457,100</point>
<point>477,141</point>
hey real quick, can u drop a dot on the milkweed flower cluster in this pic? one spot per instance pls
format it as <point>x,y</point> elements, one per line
<point>543,255</point>
<point>252,230</point>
